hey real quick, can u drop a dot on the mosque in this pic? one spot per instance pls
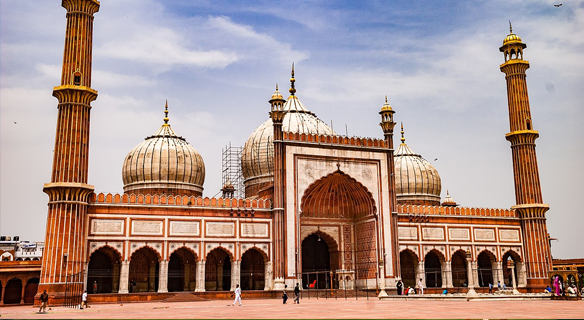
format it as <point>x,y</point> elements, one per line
<point>320,209</point>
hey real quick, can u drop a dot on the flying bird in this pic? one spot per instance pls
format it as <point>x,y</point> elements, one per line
<point>14,122</point>
<point>436,159</point>
<point>558,5</point>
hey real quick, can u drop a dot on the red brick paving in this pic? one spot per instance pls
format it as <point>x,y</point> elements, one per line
<point>340,309</point>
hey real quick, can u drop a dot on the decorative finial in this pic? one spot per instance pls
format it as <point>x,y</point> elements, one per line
<point>385,99</point>
<point>338,166</point>
<point>276,87</point>
<point>166,113</point>
<point>403,140</point>
<point>292,80</point>
<point>510,27</point>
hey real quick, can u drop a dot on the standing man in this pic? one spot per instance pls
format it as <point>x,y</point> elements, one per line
<point>490,288</point>
<point>400,286</point>
<point>297,294</point>
<point>94,287</point>
<point>44,301</point>
<point>237,294</point>
<point>84,300</point>
<point>421,286</point>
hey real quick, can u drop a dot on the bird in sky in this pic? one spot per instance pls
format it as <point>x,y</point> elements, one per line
<point>14,122</point>
<point>436,159</point>
<point>558,5</point>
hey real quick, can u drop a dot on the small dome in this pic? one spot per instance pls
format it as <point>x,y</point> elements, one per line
<point>257,159</point>
<point>448,201</point>
<point>164,163</point>
<point>416,180</point>
<point>511,38</point>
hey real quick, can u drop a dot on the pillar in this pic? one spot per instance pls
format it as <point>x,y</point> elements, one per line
<point>475,273</point>
<point>447,277</point>
<point>200,276</point>
<point>22,293</point>
<point>124,274</point>
<point>470,275</point>
<point>85,275</point>
<point>3,291</point>
<point>235,266</point>
<point>268,275</point>
<point>444,273</point>
<point>163,277</point>
<point>421,273</point>
<point>498,266</point>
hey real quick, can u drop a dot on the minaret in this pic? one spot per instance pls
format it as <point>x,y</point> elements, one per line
<point>277,114</point>
<point>64,255</point>
<point>530,206</point>
<point>387,125</point>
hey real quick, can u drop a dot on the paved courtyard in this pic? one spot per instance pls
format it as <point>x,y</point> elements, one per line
<point>340,309</point>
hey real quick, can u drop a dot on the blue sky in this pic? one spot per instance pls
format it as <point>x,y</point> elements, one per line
<point>217,62</point>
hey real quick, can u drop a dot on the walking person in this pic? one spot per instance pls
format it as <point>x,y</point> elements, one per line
<point>237,294</point>
<point>297,294</point>
<point>44,301</point>
<point>421,286</point>
<point>284,295</point>
<point>400,286</point>
<point>84,300</point>
<point>490,288</point>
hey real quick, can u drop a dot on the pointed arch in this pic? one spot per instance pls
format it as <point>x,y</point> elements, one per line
<point>409,262</point>
<point>337,195</point>
<point>252,271</point>
<point>103,270</point>
<point>218,269</point>
<point>458,265</point>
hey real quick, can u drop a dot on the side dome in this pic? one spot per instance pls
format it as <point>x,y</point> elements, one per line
<point>417,182</point>
<point>164,163</point>
<point>257,158</point>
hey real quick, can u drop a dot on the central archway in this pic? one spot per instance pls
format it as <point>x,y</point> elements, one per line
<point>338,201</point>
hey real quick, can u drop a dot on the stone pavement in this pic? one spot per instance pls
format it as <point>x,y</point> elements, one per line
<point>315,309</point>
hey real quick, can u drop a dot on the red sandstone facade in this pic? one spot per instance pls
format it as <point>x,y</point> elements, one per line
<point>331,218</point>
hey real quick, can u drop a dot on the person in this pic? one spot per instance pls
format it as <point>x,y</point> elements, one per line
<point>408,291</point>
<point>134,284</point>
<point>548,289</point>
<point>237,294</point>
<point>94,287</point>
<point>399,286</point>
<point>284,295</point>
<point>421,286</point>
<point>44,301</point>
<point>84,300</point>
<point>297,294</point>
<point>490,288</point>
<point>557,285</point>
<point>570,290</point>
<point>445,292</point>
<point>499,285</point>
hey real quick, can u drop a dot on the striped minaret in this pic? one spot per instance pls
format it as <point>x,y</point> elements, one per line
<point>64,255</point>
<point>530,206</point>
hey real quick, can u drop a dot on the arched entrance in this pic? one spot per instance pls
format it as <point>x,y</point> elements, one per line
<point>182,270</point>
<point>252,270</point>
<point>485,268</point>
<point>433,267</point>
<point>459,272</point>
<point>104,271</point>
<point>31,289</point>
<point>218,271</point>
<point>144,268</point>
<point>340,202</point>
<point>13,291</point>
<point>409,266</point>
<point>316,262</point>
<point>506,271</point>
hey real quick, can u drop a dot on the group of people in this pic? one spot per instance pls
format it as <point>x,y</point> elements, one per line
<point>409,290</point>
<point>237,295</point>
<point>559,288</point>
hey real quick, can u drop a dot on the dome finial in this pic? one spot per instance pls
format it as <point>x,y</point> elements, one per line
<point>510,27</point>
<point>292,80</point>
<point>403,139</point>
<point>386,99</point>
<point>166,114</point>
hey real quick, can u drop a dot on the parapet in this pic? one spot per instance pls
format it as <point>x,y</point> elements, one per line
<point>457,211</point>
<point>335,140</point>
<point>169,200</point>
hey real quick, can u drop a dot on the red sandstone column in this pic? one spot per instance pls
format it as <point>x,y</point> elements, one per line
<point>279,257</point>
<point>530,206</point>
<point>68,191</point>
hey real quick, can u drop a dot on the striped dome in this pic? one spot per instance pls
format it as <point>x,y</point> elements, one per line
<point>164,163</point>
<point>416,180</point>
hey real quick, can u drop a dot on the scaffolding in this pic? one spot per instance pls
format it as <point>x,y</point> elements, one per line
<point>231,173</point>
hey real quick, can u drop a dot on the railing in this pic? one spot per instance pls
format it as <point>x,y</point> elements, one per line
<point>73,290</point>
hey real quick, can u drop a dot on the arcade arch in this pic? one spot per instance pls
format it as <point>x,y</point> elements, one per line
<point>104,270</point>
<point>433,268</point>
<point>182,270</point>
<point>408,267</point>
<point>252,272</point>
<point>218,270</point>
<point>486,272</point>
<point>144,270</point>
<point>458,266</point>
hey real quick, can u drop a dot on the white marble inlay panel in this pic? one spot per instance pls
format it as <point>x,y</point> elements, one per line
<point>459,233</point>
<point>147,227</point>
<point>484,234</point>
<point>220,229</point>
<point>433,233</point>
<point>254,230</point>
<point>508,235</point>
<point>409,233</point>
<point>184,228</point>
<point>104,226</point>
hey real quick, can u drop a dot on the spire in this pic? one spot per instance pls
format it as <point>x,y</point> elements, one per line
<point>166,114</point>
<point>403,139</point>
<point>292,80</point>
<point>510,27</point>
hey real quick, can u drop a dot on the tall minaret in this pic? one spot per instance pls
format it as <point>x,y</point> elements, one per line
<point>64,255</point>
<point>530,206</point>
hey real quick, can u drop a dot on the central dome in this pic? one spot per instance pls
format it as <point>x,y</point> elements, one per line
<point>164,163</point>
<point>257,159</point>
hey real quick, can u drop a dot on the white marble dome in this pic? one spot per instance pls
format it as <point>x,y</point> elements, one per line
<point>257,159</point>
<point>416,180</point>
<point>164,163</point>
